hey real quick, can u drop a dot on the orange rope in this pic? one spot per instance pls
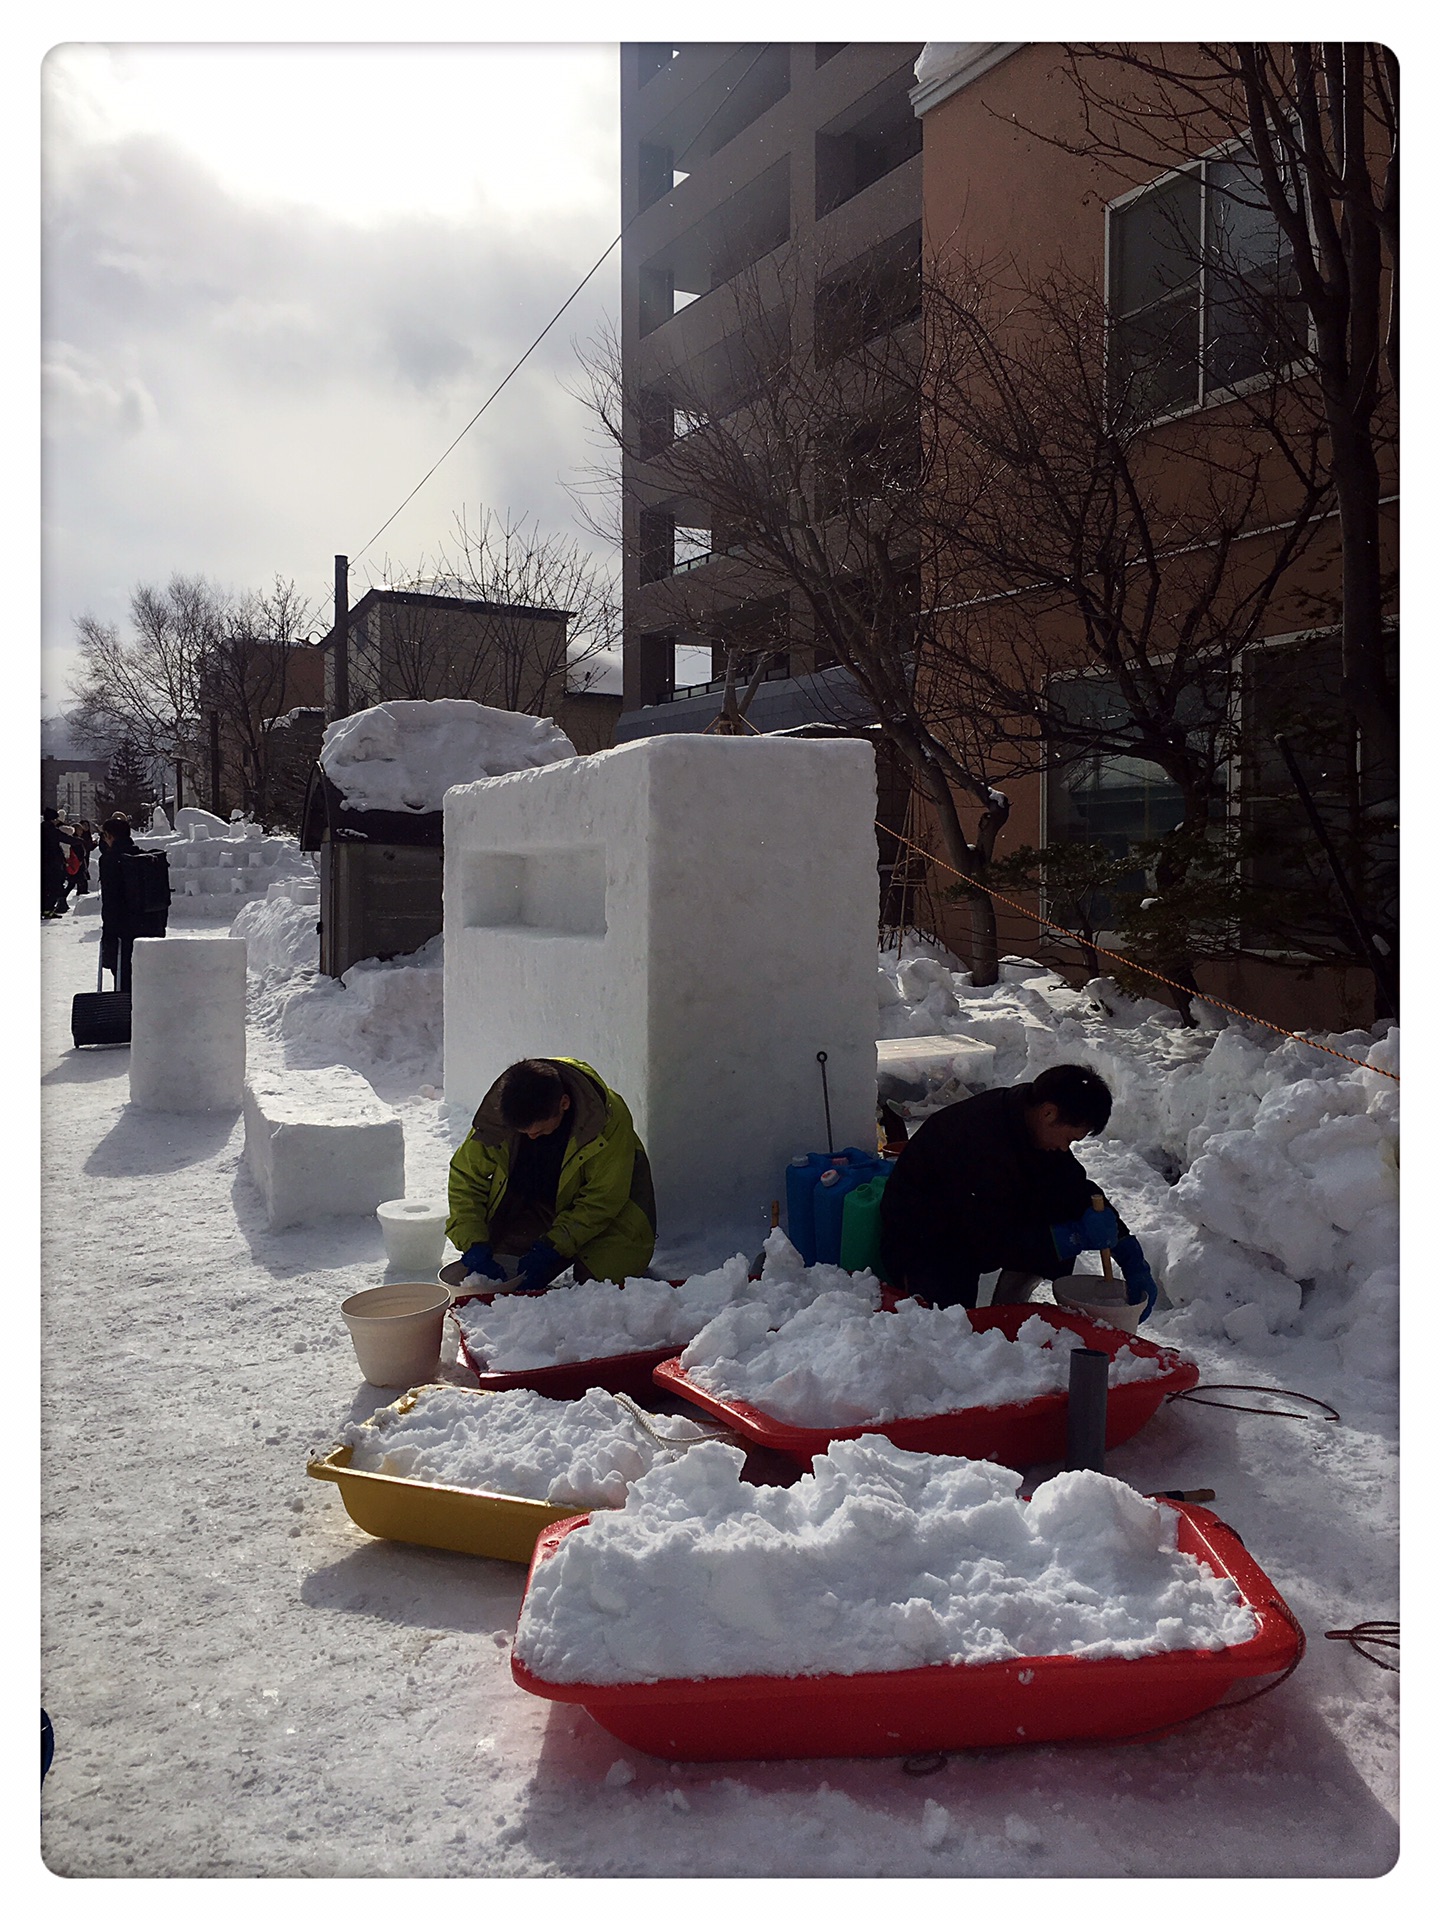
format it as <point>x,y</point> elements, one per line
<point>1123,960</point>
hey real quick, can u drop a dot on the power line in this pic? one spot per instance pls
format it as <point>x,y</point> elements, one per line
<point>764,49</point>
<point>495,393</point>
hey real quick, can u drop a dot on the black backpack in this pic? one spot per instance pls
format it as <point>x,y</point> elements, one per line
<point>145,884</point>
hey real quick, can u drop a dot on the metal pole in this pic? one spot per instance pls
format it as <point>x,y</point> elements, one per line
<point>342,637</point>
<point>1383,978</point>
<point>214,760</point>
<point>1085,1413</point>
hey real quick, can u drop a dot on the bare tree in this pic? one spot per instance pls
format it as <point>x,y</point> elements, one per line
<point>1097,577</point>
<point>147,689</point>
<point>245,681</point>
<point>540,614</point>
<point>1316,129</point>
<point>800,466</point>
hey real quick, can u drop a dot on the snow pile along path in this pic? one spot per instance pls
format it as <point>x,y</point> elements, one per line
<point>574,1453</point>
<point>838,1363</point>
<point>402,756</point>
<point>517,1333</point>
<point>879,1561</point>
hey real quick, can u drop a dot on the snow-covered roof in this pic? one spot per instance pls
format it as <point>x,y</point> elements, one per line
<point>402,756</point>
<point>945,66</point>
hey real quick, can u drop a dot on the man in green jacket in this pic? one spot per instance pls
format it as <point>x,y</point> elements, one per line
<point>552,1171</point>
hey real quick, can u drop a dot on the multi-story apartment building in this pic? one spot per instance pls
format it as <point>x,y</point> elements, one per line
<point>764,175</point>
<point>1168,233</point>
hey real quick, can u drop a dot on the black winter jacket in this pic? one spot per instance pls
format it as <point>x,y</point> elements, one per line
<point>972,1192</point>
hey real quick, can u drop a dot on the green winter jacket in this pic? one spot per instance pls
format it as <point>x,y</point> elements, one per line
<point>605,1200</point>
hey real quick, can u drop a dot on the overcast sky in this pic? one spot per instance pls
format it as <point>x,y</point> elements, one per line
<point>278,280</point>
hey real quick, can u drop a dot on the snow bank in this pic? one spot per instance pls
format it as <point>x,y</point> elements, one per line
<point>838,1363</point>
<point>878,1560</point>
<point>516,1333</point>
<point>281,934</point>
<point>574,1453</point>
<point>401,756</point>
<point>385,1017</point>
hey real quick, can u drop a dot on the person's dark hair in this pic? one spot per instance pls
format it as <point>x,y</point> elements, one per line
<point>1078,1093</point>
<point>49,813</point>
<point>530,1091</point>
<point>117,826</point>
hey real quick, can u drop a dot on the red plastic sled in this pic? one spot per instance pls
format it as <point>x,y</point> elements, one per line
<point>631,1373</point>
<point>1021,1434</point>
<point>939,1709</point>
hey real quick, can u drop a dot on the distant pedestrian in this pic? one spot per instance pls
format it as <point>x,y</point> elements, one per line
<point>54,845</point>
<point>127,912</point>
<point>77,860</point>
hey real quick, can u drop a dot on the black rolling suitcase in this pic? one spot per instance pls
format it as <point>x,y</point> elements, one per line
<point>100,1019</point>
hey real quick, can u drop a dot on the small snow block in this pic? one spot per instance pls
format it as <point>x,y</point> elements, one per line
<point>320,1142</point>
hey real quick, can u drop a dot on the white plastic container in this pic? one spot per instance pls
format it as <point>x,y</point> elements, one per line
<point>1102,1299</point>
<point>414,1233</point>
<point>396,1331</point>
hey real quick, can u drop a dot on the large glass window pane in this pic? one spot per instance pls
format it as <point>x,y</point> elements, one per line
<point>1155,244</point>
<point>1254,318</point>
<point>1156,358</point>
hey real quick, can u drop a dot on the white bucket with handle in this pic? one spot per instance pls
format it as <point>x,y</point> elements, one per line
<point>1102,1296</point>
<point>396,1331</point>
<point>414,1233</point>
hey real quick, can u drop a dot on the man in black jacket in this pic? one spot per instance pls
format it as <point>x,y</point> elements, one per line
<point>991,1183</point>
<point>128,912</point>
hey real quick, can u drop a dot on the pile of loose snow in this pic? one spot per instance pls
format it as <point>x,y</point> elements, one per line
<point>878,1561</point>
<point>401,756</point>
<point>385,1017</point>
<point>516,1333</point>
<point>281,933</point>
<point>573,1453</point>
<point>838,1363</point>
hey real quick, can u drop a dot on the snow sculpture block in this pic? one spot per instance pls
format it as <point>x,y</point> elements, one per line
<point>321,1142</point>
<point>187,1025</point>
<point>694,915</point>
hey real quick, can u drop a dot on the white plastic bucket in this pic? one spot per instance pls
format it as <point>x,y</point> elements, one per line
<point>414,1233</point>
<point>1102,1299</point>
<point>396,1331</point>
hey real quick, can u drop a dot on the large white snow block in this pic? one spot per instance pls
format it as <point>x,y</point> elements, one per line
<point>187,1025</point>
<point>319,1142</point>
<point>694,915</point>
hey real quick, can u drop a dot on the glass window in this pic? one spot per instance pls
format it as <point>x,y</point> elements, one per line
<point>1202,289</point>
<point>1116,800</point>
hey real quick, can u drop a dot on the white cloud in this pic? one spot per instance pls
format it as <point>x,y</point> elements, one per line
<point>250,362</point>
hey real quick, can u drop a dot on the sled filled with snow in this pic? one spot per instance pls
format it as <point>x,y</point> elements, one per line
<point>569,1339</point>
<point>472,1473</point>
<point>892,1603</point>
<point>823,1377</point>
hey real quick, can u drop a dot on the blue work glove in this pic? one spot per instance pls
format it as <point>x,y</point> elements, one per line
<point>1097,1227</point>
<point>539,1266</point>
<point>1139,1281</point>
<point>479,1259</point>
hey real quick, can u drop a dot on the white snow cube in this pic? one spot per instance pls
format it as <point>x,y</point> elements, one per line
<point>187,1025</point>
<point>321,1142</point>
<point>696,917</point>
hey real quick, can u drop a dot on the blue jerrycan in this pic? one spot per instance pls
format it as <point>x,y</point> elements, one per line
<point>802,1179</point>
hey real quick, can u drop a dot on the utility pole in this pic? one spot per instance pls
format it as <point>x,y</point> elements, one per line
<point>342,637</point>
<point>215,760</point>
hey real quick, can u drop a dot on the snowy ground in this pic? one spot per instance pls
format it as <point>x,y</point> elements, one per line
<point>245,1685</point>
